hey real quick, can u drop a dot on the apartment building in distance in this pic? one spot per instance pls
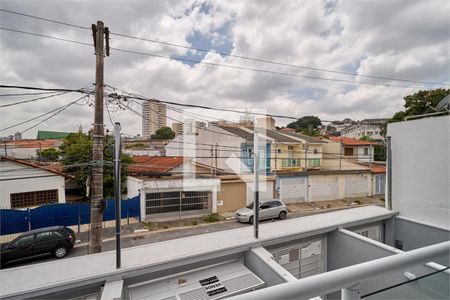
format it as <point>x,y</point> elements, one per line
<point>154,116</point>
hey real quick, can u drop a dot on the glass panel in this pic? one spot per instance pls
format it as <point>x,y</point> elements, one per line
<point>431,286</point>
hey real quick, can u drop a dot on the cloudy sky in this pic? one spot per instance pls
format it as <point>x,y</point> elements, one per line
<point>396,39</point>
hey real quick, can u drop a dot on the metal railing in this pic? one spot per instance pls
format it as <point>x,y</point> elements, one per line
<point>345,278</point>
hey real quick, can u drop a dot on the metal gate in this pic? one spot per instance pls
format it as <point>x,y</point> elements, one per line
<point>380,183</point>
<point>176,201</point>
<point>356,186</point>
<point>324,188</point>
<point>292,190</point>
<point>302,260</point>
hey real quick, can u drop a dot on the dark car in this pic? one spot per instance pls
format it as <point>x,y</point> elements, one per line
<point>56,240</point>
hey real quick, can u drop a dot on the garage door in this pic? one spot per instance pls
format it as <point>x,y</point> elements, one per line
<point>356,186</point>
<point>292,189</point>
<point>301,260</point>
<point>324,188</point>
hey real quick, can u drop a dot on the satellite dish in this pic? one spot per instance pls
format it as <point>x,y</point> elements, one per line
<point>444,104</point>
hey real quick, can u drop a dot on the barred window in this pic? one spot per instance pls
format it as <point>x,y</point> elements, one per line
<point>36,198</point>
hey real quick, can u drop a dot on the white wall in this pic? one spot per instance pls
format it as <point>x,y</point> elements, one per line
<point>421,169</point>
<point>8,187</point>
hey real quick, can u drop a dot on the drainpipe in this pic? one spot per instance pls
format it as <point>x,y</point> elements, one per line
<point>389,174</point>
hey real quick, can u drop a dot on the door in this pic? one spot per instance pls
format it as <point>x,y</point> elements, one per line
<point>292,190</point>
<point>21,248</point>
<point>44,242</point>
<point>264,211</point>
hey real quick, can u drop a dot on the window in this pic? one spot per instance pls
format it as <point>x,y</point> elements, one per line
<point>265,205</point>
<point>23,241</point>
<point>348,151</point>
<point>366,151</point>
<point>314,162</point>
<point>35,198</point>
<point>43,236</point>
<point>316,151</point>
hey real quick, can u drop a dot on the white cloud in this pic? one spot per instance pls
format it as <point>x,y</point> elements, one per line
<point>403,39</point>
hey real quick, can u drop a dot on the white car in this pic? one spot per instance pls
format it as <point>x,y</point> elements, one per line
<point>268,209</point>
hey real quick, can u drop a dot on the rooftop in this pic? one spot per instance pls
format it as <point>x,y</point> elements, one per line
<point>49,143</point>
<point>346,141</point>
<point>154,164</point>
<point>45,135</point>
<point>11,161</point>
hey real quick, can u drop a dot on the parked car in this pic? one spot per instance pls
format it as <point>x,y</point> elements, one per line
<point>268,209</point>
<point>56,240</point>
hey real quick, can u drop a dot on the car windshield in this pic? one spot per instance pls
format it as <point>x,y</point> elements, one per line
<point>250,206</point>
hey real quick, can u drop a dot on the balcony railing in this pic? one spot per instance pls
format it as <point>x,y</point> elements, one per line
<point>290,162</point>
<point>347,279</point>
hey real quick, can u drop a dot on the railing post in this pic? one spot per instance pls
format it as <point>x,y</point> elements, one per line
<point>351,292</point>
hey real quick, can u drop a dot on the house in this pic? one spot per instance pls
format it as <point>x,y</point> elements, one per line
<point>399,251</point>
<point>367,127</point>
<point>23,184</point>
<point>169,186</point>
<point>28,149</point>
<point>351,149</point>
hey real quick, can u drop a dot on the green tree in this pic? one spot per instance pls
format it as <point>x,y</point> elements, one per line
<point>49,154</point>
<point>76,153</point>
<point>417,104</point>
<point>163,133</point>
<point>305,123</point>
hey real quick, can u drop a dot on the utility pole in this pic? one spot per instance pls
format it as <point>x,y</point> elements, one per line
<point>117,188</point>
<point>340,155</point>
<point>97,201</point>
<point>306,156</point>
<point>256,182</point>
<point>212,161</point>
<point>216,152</point>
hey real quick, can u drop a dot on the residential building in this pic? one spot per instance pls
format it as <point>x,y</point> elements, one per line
<point>351,149</point>
<point>368,127</point>
<point>154,116</point>
<point>51,135</point>
<point>28,149</point>
<point>23,184</point>
<point>397,252</point>
<point>177,127</point>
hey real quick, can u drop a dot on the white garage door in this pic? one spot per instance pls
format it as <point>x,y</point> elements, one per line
<point>356,186</point>
<point>301,260</point>
<point>324,188</point>
<point>292,190</point>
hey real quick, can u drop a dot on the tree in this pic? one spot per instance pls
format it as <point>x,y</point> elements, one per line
<point>49,154</point>
<point>417,104</point>
<point>305,123</point>
<point>163,133</point>
<point>76,153</point>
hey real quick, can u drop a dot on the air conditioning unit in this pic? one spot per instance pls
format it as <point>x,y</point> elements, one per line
<point>212,282</point>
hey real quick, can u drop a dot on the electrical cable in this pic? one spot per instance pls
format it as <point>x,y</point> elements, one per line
<point>227,54</point>
<point>32,100</point>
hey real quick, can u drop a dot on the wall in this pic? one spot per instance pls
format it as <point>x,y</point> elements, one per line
<point>133,186</point>
<point>233,195</point>
<point>345,250</point>
<point>51,182</point>
<point>415,235</point>
<point>331,159</point>
<point>421,170</point>
<point>266,191</point>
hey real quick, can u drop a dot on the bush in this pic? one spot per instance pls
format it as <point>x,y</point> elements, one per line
<point>194,222</point>
<point>165,226</point>
<point>212,218</point>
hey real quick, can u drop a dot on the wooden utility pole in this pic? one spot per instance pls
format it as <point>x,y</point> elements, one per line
<point>97,201</point>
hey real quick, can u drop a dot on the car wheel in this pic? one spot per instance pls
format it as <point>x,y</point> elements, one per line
<point>282,215</point>
<point>250,220</point>
<point>60,252</point>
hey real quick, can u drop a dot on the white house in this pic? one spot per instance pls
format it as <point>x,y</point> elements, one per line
<point>23,184</point>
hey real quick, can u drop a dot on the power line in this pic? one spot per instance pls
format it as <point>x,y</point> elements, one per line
<point>54,114</point>
<point>217,64</point>
<point>46,36</point>
<point>228,54</point>
<point>44,114</point>
<point>32,100</point>
<point>25,94</point>
<point>4,86</point>
<point>260,70</point>
<point>44,19</point>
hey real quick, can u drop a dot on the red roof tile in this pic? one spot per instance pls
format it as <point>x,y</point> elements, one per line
<point>35,144</point>
<point>351,142</point>
<point>156,164</point>
<point>378,169</point>
<point>51,169</point>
